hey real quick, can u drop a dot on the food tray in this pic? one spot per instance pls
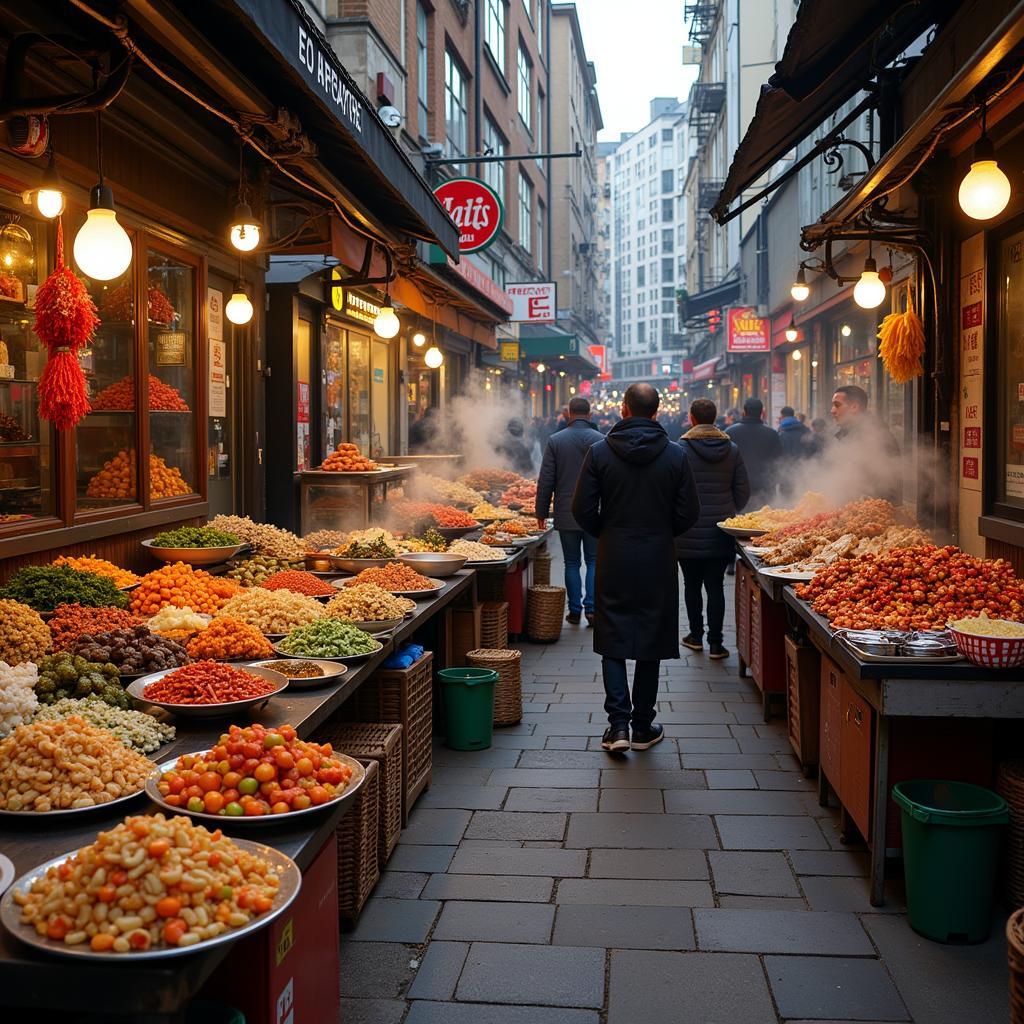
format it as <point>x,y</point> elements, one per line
<point>10,912</point>
<point>193,556</point>
<point>7,873</point>
<point>136,688</point>
<point>437,585</point>
<point>73,812</point>
<point>219,820</point>
<point>333,671</point>
<point>989,651</point>
<point>752,550</point>
<point>433,563</point>
<point>785,573</point>
<point>344,659</point>
<point>898,659</point>
<point>741,531</point>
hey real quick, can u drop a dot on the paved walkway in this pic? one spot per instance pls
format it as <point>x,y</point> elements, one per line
<point>544,882</point>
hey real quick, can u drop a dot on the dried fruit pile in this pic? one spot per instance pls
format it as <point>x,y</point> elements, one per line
<point>182,586</point>
<point>70,621</point>
<point>438,489</point>
<point>263,538</point>
<point>394,576</point>
<point>135,651</point>
<point>230,640</point>
<point>99,566</point>
<point>346,459</point>
<point>116,480</point>
<point>901,348</point>
<point>120,397</point>
<point>23,634</point>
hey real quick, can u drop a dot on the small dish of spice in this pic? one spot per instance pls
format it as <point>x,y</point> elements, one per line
<point>305,673</point>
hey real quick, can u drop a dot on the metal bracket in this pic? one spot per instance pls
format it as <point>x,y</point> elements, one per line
<point>363,277</point>
<point>833,158</point>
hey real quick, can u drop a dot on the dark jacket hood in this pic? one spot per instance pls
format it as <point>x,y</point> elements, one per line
<point>637,440</point>
<point>708,442</point>
<point>792,423</point>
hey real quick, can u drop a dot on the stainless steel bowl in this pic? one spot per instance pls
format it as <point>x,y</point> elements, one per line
<point>876,641</point>
<point>433,563</point>
<point>357,565</point>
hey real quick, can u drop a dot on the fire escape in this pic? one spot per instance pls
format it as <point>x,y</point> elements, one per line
<point>701,16</point>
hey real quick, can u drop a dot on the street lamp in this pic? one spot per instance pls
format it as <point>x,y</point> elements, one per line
<point>800,289</point>
<point>869,291</point>
<point>985,189</point>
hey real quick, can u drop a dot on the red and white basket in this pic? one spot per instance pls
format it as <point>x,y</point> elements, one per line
<point>990,651</point>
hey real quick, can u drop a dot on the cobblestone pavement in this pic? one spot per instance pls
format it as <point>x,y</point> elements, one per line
<point>544,882</point>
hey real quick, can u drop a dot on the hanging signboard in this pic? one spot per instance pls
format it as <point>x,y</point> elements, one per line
<point>476,209</point>
<point>533,302</point>
<point>215,314</point>
<point>510,351</point>
<point>599,353</point>
<point>747,332</point>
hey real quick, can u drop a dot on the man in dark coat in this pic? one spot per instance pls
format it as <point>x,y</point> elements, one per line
<point>794,435</point>
<point>635,493</point>
<point>704,551</point>
<point>559,470</point>
<point>866,445</point>
<point>514,450</point>
<point>761,450</point>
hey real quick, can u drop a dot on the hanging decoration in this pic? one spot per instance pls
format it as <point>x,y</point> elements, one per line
<point>902,345</point>
<point>65,322</point>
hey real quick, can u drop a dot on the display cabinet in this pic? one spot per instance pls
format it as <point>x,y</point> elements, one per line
<point>347,501</point>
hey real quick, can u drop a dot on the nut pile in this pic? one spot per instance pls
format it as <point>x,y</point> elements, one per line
<point>272,611</point>
<point>253,571</point>
<point>261,537</point>
<point>182,586</point>
<point>320,539</point>
<point>134,651</point>
<point>475,551</point>
<point>178,623</point>
<point>299,581</point>
<point>366,603</point>
<point>394,576</point>
<point>230,640</point>
<point>70,621</point>
<point>436,488</point>
<point>67,675</point>
<point>101,567</point>
<point>23,634</point>
<point>134,729</point>
<point>66,764</point>
<point>18,702</point>
<point>207,682</point>
<point>328,638</point>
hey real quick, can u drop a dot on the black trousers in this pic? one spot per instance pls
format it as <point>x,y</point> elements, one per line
<point>622,710</point>
<point>705,575</point>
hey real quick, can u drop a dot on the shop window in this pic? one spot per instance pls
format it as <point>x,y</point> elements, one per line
<point>332,399</point>
<point>494,145</point>
<point>525,212</point>
<point>359,390</point>
<point>422,71</point>
<point>456,106</point>
<point>1009,449</point>
<point>495,31</point>
<point>303,395</point>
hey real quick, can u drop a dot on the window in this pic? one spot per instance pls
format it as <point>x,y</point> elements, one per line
<point>540,26</point>
<point>422,70</point>
<point>456,109</point>
<point>494,145</point>
<point>667,208</point>
<point>666,134</point>
<point>641,276</point>
<point>666,268</point>
<point>1009,467</point>
<point>495,31</point>
<point>525,212</point>
<point>540,236</point>
<point>667,180</point>
<point>667,244</point>
<point>525,70</point>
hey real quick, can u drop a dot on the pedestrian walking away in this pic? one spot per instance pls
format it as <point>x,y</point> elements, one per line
<point>559,470</point>
<point>705,551</point>
<point>635,493</point>
<point>794,435</point>
<point>761,449</point>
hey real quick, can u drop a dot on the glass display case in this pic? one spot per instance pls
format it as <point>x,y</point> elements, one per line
<point>348,501</point>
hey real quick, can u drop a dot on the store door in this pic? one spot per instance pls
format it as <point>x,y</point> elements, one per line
<point>222,465</point>
<point>380,399</point>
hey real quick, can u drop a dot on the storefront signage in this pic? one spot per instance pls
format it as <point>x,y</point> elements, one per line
<point>215,314</point>
<point>970,467</point>
<point>705,370</point>
<point>476,210</point>
<point>972,364</point>
<point>748,332</point>
<point>475,278</point>
<point>1015,481</point>
<point>218,402</point>
<point>533,302</point>
<point>354,305</point>
<point>510,351</point>
<point>170,348</point>
<point>599,353</point>
<point>972,437</point>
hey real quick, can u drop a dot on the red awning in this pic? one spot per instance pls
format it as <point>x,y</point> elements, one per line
<point>706,370</point>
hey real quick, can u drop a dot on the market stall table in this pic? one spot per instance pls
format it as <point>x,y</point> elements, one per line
<point>157,991</point>
<point>760,627</point>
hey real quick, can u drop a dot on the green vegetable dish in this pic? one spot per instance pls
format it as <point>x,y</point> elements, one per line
<point>43,587</point>
<point>65,675</point>
<point>375,549</point>
<point>328,638</point>
<point>195,537</point>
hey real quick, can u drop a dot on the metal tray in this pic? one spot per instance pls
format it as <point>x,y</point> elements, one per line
<point>72,812</point>
<point>333,671</point>
<point>899,659</point>
<point>10,912</point>
<point>344,659</point>
<point>741,531</point>
<point>219,820</point>
<point>7,873</point>
<point>136,688</point>
<point>436,586</point>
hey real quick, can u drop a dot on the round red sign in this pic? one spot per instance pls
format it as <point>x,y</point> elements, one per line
<point>476,210</point>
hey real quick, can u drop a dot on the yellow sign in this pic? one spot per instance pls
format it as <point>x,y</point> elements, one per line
<point>337,292</point>
<point>287,940</point>
<point>510,351</point>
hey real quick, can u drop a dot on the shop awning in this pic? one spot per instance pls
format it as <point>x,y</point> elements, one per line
<point>565,351</point>
<point>832,52</point>
<point>711,298</point>
<point>707,370</point>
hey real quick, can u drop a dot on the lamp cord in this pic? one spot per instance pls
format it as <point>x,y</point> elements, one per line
<point>99,145</point>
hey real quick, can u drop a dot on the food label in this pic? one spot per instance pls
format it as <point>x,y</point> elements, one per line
<point>170,348</point>
<point>286,1004</point>
<point>972,364</point>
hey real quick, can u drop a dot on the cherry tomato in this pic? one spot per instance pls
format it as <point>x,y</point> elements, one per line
<point>280,808</point>
<point>195,804</point>
<point>265,772</point>
<point>213,802</point>
<point>248,786</point>
<point>234,810</point>
<point>209,781</point>
<point>304,766</point>
<point>231,780</point>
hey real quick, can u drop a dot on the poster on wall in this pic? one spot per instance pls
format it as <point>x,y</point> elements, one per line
<point>972,361</point>
<point>748,332</point>
<point>215,314</point>
<point>302,447</point>
<point>218,378</point>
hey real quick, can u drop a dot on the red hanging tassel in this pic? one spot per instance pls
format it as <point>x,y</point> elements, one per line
<point>65,321</point>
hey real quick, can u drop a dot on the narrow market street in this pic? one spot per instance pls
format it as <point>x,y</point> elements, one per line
<point>543,881</point>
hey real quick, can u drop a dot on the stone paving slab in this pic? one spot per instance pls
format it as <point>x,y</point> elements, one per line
<point>834,863</point>
<point>534,889</point>
<point>546,778</point>
<point>730,778</point>
<point>668,864</point>
<point>635,892</point>
<point>814,986</point>
<point>495,922</point>
<point>421,858</point>
<point>423,1012</point>
<point>725,801</point>
<point>384,920</point>
<point>375,969</point>
<point>641,831</point>
<point>439,970</point>
<point>551,799</point>
<point>762,903</point>
<point>622,927</point>
<point>431,826</point>
<point>401,885</point>
<point>781,931</point>
<point>851,894</point>
<point>649,801</point>
<point>598,759</point>
<point>752,874</point>
<point>372,1011</point>
<point>516,825</point>
<point>556,863</point>
<point>469,797</point>
<point>763,832</point>
<point>643,778</point>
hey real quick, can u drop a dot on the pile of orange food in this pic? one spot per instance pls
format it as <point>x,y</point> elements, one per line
<point>441,515</point>
<point>514,528</point>
<point>120,397</point>
<point>523,494</point>
<point>346,459</point>
<point>393,576</point>
<point>99,566</point>
<point>229,640</point>
<point>299,581</point>
<point>207,682</point>
<point>490,479</point>
<point>182,586</point>
<point>116,480</point>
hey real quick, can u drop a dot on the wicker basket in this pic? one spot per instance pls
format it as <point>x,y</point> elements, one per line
<point>405,697</point>
<point>494,625</point>
<point>508,693</point>
<point>490,585</point>
<point>1010,786</point>
<point>358,838</point>
<point>545,607</point>
<point>542,568</point>
<point>383,744</point>
<point>463,625</point>
<point>1015,957</point>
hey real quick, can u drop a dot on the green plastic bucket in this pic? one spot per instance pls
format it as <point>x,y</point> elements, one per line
<point>951,833</point>
<point>468,706</point>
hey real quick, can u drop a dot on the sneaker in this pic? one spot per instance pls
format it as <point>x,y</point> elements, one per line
<point>573,618</point>
<point>615,738</point>
<point>693,642</point>
<point>717,651</point>
<point>644,739</point>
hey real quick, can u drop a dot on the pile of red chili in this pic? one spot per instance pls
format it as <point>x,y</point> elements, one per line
<point>207,682</point>
<point>298,581</point>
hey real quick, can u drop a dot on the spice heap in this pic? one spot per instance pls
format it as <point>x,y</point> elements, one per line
<point>200,885</point>
<point>18,702</point>
<point>207,682</point>
<point>490,479</point>
<point>255,770</point>
<point>134,729</point>
<point>521,495</point>
<point>913,588</point>
<point>134,651</point>
<point>272,611</point>
<point>298,581</point>
<point>182,586</point>
<point>436,488</point>
<point>986,625</point>
<point>430,540</point>
<point>195,537</point>
<point>120,397</point>
<point>394,576</point>
<point>295,669</point>
<point>476,552</point>
<point>253,571</point>
<point>70,621</point>
<point>68,675</point>
<point>440,515</point>
<point>116,480</point>
<point>230,640</point>
<point>177,623</point>
<point>346,459</point>
<point>366,603</point>
<point>328,638</point>
<point>318,540</point>
<point>65,764</point>
<point>485,510</point>
<point>100,567</point>
<point>43,587</point>
<point>23,634</point>
<point>261,537</point>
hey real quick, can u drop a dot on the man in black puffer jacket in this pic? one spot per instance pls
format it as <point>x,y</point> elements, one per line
<point>761,449</point>
<point>704,551</point>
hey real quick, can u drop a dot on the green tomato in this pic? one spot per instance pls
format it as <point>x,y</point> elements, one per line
<point>234,809</point>
<point>195,804</point>
<point>272,739</point>
<point>248,787</point>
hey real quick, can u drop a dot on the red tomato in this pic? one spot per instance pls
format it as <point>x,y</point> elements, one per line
<point>213,801</point>
<point>231,780</point>
<point>280,808</point>
<point>319,795</point>
<point>209,781</point>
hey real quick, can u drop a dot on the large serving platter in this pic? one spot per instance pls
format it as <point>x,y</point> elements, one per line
<point>69,813</point>
<point>436,585</point>
<point>344,659</point>
<point>333,671</point>
<point>788,574</point>
<point>136,689</point>
<point>741,531</point>
<point>193,556</point>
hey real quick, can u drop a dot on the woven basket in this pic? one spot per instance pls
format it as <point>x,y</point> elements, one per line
<point>358,838</point>
<point>494,625</point>
<point>383,744</point>
<point>1015,958</point>
<point>463,634</point>
<point>508,693</point>
<point>545,607</point>
<point>405,697</point>
<point>1010,786</point>
<point>490,586</point>
<point>542,568</point>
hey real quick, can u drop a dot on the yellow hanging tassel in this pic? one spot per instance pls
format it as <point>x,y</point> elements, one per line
<point>902,345</point>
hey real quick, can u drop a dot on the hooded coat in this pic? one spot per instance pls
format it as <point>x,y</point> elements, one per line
<point>635,493</point>
<point>795,437</point>
<point>563,456</point>
<point>721,477</point>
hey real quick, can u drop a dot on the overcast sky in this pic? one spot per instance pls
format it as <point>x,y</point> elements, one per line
<point>638,51</point>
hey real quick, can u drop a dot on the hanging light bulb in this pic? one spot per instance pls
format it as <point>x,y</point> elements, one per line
<point>792,333</point>
<point>572,390</point>
<point>541,367</point>
<point>433,357</point>
<point>985,190</point>
<point>50,194</point>
<point>814,364</point>
<point>239,308</point>
<point>797,355</point>
<point>386,324</point>
<point>869,292</point>
<point>561,373</point>
<point>245,229</point>
<point>419,339</point>
<point>711,384</point>
<point>487,385</point>
<point>846,330</point>
<point>800,289</point>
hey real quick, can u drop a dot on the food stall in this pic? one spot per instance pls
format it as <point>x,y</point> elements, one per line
<point>347,501</point>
